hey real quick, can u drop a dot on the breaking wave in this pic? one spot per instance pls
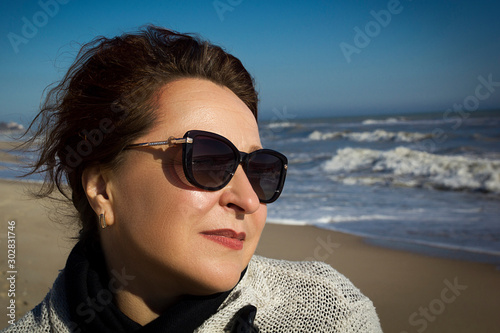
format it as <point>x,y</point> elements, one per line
<point>10,127</point>
<point>387,121</point>
<point>10,130</point>
<point>406,167</point>
<point>373,136</point>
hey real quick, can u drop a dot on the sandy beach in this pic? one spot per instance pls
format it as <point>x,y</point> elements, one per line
<point>412,292</point>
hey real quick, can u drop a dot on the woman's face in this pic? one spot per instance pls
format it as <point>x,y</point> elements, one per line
<point>167,232</point>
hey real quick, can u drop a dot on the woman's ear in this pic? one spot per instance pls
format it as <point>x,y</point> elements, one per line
<point>97,187</point>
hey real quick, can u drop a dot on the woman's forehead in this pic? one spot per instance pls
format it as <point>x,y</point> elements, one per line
<point>189,104</point>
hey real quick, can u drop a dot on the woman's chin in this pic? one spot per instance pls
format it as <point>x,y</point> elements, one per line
<point>216,282</point>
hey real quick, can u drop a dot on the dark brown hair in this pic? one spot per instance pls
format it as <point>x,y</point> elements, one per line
<point>107,99</point>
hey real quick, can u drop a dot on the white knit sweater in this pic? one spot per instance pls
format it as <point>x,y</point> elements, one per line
<point>289,296</point>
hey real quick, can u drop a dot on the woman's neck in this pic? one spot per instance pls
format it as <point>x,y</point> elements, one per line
<point>139,296</point>
<point>138,309</point>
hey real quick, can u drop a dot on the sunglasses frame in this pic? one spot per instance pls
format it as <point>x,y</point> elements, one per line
<point>240,158</point>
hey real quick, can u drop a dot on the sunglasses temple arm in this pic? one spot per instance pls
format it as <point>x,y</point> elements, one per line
<point>170,142</point>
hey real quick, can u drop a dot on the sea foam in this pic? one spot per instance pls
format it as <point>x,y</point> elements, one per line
<point>387,121</point>
<point>407,167</point>
<point>371,136</point>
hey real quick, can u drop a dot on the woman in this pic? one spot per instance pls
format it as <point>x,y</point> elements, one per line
<point>156,134</point>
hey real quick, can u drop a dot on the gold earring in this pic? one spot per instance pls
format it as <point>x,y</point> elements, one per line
<point>102,221</point>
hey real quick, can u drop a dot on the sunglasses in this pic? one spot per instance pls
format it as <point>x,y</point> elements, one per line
<point>210,160</point>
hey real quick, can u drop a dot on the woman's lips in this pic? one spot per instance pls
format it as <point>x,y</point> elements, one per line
<point>226,237</point>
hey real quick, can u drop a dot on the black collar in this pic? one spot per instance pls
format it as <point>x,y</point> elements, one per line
<point>91,300</point>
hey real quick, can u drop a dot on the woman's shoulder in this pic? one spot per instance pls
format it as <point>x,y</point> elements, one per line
<point>297,269</point>
<point>51,315</point>
<point>309,294</point>
<point>315,274</point>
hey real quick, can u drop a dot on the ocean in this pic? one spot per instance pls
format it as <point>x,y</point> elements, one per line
<point>428,183</point>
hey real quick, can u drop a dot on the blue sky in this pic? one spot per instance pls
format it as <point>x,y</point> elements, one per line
<point>310,58</point>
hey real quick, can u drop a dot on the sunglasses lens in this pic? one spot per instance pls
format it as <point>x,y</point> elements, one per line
<point>264,173</point>
<point>213,162</point>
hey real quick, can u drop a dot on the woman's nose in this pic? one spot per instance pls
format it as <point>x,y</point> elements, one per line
<point>239,194</point>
